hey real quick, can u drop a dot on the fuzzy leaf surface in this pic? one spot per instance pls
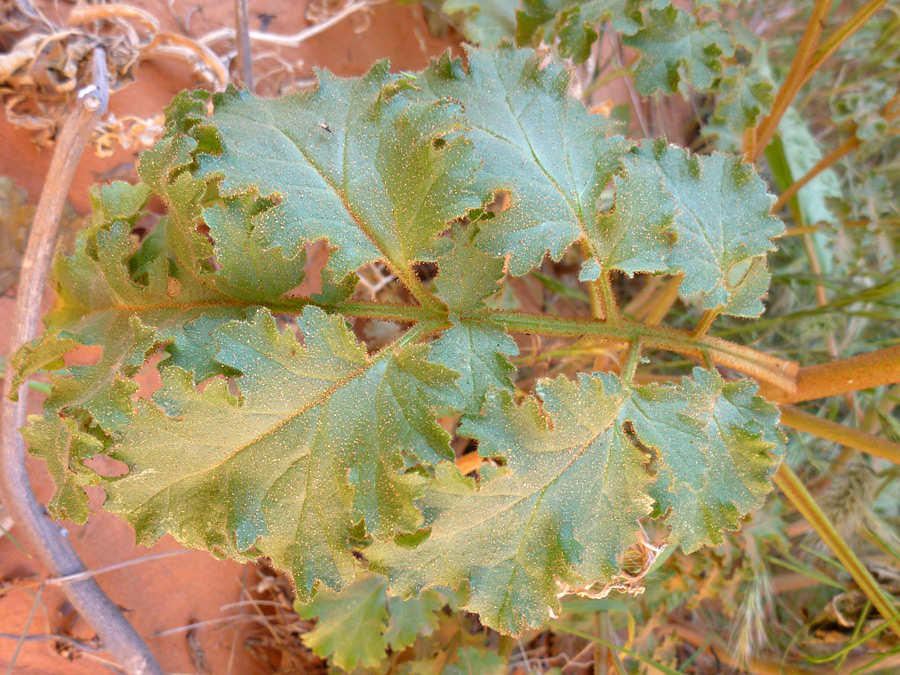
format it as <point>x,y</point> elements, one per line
<point>351,162</point>
<point>704,217</point>
<point>575,22</point>
<point>479,353</point>
<point>64,447</point>
<point>356,626</point>
<point>566,504</point>
<point>100,302</point>
<point>673,47</point>
<point>317,442</point>
<point>534,141</point>
<point>746,96</point>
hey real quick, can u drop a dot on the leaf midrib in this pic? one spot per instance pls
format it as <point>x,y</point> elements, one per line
<point>394,258</point>
<point>306,407</point>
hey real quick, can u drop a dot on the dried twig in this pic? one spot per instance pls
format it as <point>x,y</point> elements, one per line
<point>296,39</point>
<point>45,539</point>
<point>242,27</point>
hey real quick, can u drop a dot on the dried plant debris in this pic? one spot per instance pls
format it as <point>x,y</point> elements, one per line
<point>15,223</point>
<point>48,64</point>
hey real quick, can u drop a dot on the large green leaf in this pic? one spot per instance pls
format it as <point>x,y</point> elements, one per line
<point>307,449</point>
<point>315,443</point>
<point>60,443</point>
<point>99,301</point>
<point>351,161</point>
<point>719,447</point>
<point>535,142</point>
<point>567,502</point>
<point>704,217</point>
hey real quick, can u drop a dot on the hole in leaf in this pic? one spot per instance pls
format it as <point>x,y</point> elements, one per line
<point>502,200</point>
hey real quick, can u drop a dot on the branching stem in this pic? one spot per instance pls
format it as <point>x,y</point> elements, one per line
<point>632,359</point>
<point>705,323</point>
<point>838,38</point>
<point>778,373</point>
<point>827,161</point>
<point>797,75</point>
<point>603,300</point>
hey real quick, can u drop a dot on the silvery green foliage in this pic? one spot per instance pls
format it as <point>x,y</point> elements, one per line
<point>286,438</point>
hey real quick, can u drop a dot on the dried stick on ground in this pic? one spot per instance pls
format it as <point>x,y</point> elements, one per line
<point>245,55</point>
<point>43,537</point>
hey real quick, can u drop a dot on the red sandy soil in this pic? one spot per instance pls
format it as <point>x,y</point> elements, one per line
<point>164,594</point>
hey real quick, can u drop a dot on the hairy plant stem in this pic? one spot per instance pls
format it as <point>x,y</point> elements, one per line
<point>44,537</point>
<point>773,370</point>
<point>799,496</point>
<point>839,433</point>
<point>781,381</point>
<point>706,322</point>
<point>797,75</point>
<point>603,300</point>
<point>865,371</point>
<point>632,359</point>
<point>778,373</point>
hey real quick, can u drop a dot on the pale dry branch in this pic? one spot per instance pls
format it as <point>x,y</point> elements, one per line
<point>45,539</point>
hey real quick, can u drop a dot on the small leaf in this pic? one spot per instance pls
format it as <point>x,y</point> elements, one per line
<point>575,22</point>
<point>411,617</point>
<point>467,276</point>
<point>118,201</point>
<point>705,217</point>
<point>674,46</point>
<point>64,448</point>
<point>355,626</point>
<point>478,352</point>
<point>746,95</point>
<point>350,624</point>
